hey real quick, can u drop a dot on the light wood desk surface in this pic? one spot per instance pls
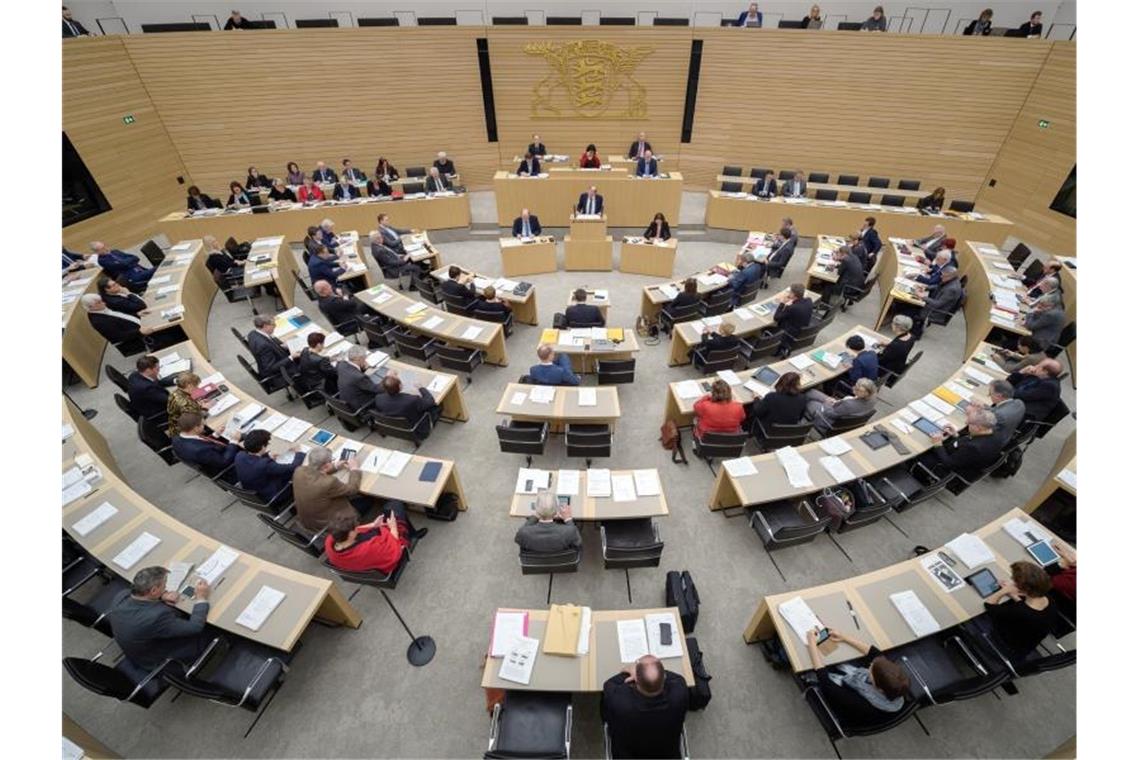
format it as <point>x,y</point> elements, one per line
<point>680,410</point>
<point>426,213</point>
<point>869,594</point>
<point>653,299</point>
<point>272,261</point>
<point>587,672</point>
<point>989,270</point>
<point>748,182</point>
<point>583,352</point>
<point>641,256</point>
<point>182,280</point>
<point>896,261</point>
<point>566,406</point>
<point>406,487</point>
<point>629,201</point>
<point>585,507</point>
<point>524,307</point>
<point>770,483</point>
<point>734,212</point>
<point>522,257</point>
<point>328,187</point>
<point>599,297</point>
<point>450,327</point>
<point>1063,476</point>
<point>307,597</point>
<point>82,345</point>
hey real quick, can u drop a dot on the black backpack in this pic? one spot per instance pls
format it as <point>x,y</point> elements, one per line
<point>680,592</point>
<point>447,508</point>
<point>1010,466</point>
<point>699,693</point>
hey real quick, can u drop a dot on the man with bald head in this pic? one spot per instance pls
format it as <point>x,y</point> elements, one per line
<point>644,706</point>
<point>1046,319</point>
<point>932,243</point>
<point>552,369</point>
<point>1038,387</point>
<point>968,453</point>
<point>118,264</point>
<point>526,225</point>
<point>933,276</point>
<point>341,309</point>
<point>393,402</point>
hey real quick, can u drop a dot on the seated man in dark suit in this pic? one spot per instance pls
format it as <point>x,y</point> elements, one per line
<point>590,202</point>
<point>537,147</point>
<point>117,264</point>
<point>552,369</point>
<point>460,286</point>
<point>410,407</point>
<point>526,225</point>
<point>765,187</point>
<point>782,254</point>
<point>933,275</point>
<point>259,472</point>
<point>211,454</point>
<point>945,299</point>
<point>327,235</point>
<point>435,182</point>
<point>351,173</point>
<point>323,173</point>
<point>443,164</point>
<point>121,329</point>
<point>550,529</point>
<point>850,272</point>
<point>325,266</point>
<point>639,146</point>
<point>1038,387</point>
<point>147,393</point>
<point>796,187</point>
<point>314,370</point>
<point>748,271</point>
<point>864,362</point>
<point>582,314</point>
<point>530,166</point>
<point>150,630</point>
<point>118,298</point>
<point>392,262</point>
<point>644,706</point>
<point>969,453</point>
<point>269,352</point>
<point>355,388</point>
<point>794,312</point>
<point>342,311</point>
<point>345,190</point>
<point>932,243</point>
<point>646,165</point>
<point>391,235</point>
<point>870,237</point>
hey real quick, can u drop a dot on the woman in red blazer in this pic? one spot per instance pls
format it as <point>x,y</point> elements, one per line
<point>309,192</point>
<point>717,412</point>
<point>589,159</point>
<point>376,546</point>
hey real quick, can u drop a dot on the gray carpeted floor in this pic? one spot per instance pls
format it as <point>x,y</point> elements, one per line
<point>350,693</point>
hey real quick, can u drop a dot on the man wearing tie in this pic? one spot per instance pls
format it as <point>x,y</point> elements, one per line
<point>344,190</point>
<point>269,352</point>
<point>323,174</point>
<point>351,174</point>
<point>212,455</point>
<point>639,146</point>
<point>536,147</point>
<point>590,202</point>
<point>529,166</point>
<point>647,164</point>
<point>795,187</point>
<point>766,187</point>
<point>436,182</point>
<point>526,226</point>
<point>71,27</point>
<point>391,235</point>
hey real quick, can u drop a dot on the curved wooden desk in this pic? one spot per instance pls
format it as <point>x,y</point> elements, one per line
<point>585,507</point>
<point>271,260</point>
<point>182,284</point>
<point>630,202</point>
<point>525,308</point>
<point>82,344</point>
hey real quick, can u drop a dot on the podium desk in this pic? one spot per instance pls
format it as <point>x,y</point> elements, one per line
<point>527,257</point>
<point>629,201</point>
<point>652,258</point>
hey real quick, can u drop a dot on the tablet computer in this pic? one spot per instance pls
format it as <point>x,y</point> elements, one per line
<point>874,440</point>
<point>927,427</point>
<point>766,375</point>
<point>322,437</point>
<point>983,582</point>
<point>1043,553</point>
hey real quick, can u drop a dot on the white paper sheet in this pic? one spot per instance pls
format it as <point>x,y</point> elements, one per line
<point>1023,531</point>
<point>837,469</point>
<point>688,389</point>
<point>799,616</point>
<point>623,488</point>
<point>518,398</point>
<point>729,377</point>
<point>802,361</point>
<point>587,397</point>
<point>744,314</point>
<point>415,308</point>
<point>136,550</point>
<point>835,446</point>
<point>915,613</point>
<point>653,622</point>
<point>471,333</point>
<point>293,429</point>
<point>971,550</point>
<point>260,608</point>
<point>532,480</point>
<point>75,491</point>
<point>438,384</point>
<point>567,484</point>
<point>94,518</point>
<point>509,626</point>
<point>176,573</point>
<point>375,460</point>
<point>395,464</point>
<point>739,468</point>
<point>518,663</point>
<point>433,322</point>
<point>68,431</point>
<point>542,394</point>
<point>584,631</point>
<point>647,482</point>
<point>217,564</point>
<point>223,404</point>
<point>632,642</point>
<point>1068,477</point>
<point>598,482</point>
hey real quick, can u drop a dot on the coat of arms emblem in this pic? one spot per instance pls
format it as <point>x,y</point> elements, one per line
<point>589,79</point>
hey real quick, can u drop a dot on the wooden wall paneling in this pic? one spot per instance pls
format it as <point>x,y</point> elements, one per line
<point>231,101</point>
<point>935,109</point>
<point>135,165</point>
<point>1034,162</point>
<point>663,73</point>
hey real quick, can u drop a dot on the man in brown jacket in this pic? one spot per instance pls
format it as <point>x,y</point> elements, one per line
<point>319,493</point>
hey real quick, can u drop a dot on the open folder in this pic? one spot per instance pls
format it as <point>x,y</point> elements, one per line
<point>563,627</point>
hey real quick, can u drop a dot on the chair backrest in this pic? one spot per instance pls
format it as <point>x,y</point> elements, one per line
<point>731,187</point>
<point>718,303</point>
<point>732,171</point>
<point>414,344</point>
<point>724,358</point>
<point>818,177</point>
<point>892,380</point>
<point>307,289</point>
<point>1035,665</point>
<point>249,368</point>
<point>116,377</point>
<point>153,252</point>
<point>682,313</point>
<point>522,440</point>
<point>786,174</point>
<point>156,439</point>
<point>722,445</point>
<point>757,172</point>
<point>878,182</point>
<point>858,197</point>
<point>588,441</point>
<point>344,412</point>
<point>99,678</point>
<point>645,554</point>
<point>771,436</point>
<point>426,286</point>
<point>415,171</point>
<point>292,532</point>
<point>244,495</point>
<point>963,206</point>
<point>850,422</point>
<point>542,563</point>
<point>490,315</point>
<point>894,200</point>
<point>909,184</point>
<point>398,427</point>
<point>826,195</point>
<point>615,371</point>
<point>124,404</point>
<point>847,179</point>
<point>240,338</point>
<point>411,188</point>
<point>456,304</point>
<point>374,578</point>
<point>811,525</point>
<point>378,333</point>
<point>1018,255</point>
<point>1034,270</point>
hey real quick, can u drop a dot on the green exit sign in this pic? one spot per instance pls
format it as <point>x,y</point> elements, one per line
<point>1043,124</point>
<point>130,119</point>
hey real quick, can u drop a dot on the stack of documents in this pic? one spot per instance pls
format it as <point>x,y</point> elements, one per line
<point>542,394</point>
<point>799,616</point>
<point>136,550</point>
<point>598,483</point>
<point>217,564</point>
<point>532,481</point>
<point>915,613</point>
<point>688,389</point>
<point>971,550</point>
<point>741,467</point>
<point>623,487</point>
<point>518,662</point>
<point>795,467</point>
<point>260,607</point>
<point>508,626</point>
<point>668,291</point>
<point>647,482</point>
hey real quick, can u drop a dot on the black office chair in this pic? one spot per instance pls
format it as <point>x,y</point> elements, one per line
<point>241,338</point>
<point>731,187</point>
<point>881,182</point>
<point>380,332</point>
<point>413,188</point>
<point>1033,271</point>
<point>310,397</point>
<point>235,672</point>
<point>770,437</point>
<point>270,384</point>
<point>630,544</point>
<point>416,346</point>
<point>909,184</point>
<point>732,171</point>
<point>415,432</point>
<point>826,195</point>
<point>757,172</point>
<point>805,338</point>
<point>962,206</point>
<point>944,669</point>
<point>759,346</point>
<point>131,347</point>
<point>522,437</point>
<point>848,179</point>
<point>858,197</point>
<point>153,253</point>
<point>847,423</point>
<point>415,171</point>
<point>563,21</point>
<point>1067,336</point>
<point>748,294</point>
<point>660,21</point>
<point>683,740</point>
<point>835,723</point>
<point>589,441</point>
<point>460,359</point>
<point>427,287</point>
<point>687,313</point>
<point>617,21</point>
<point>306,288</point>
<point>549,563</point>
<point>232,286</point>
<point>154,437</point>
<point>504,318</point>
<point>893,379</point>
<point>717,303</point>
<point>122,681</point>
<point>909,484</point>
<point>124,405</point>
<point>92,611</point>
<point>786,174</point>
<point>615,371</point>
<point>719,446</point>
<point>116,377</point>
<point>786,523</point>
<point>894,200</point>
<point>711,362</point>
<point>820,177</point>
<point>1018,255</point>
<point>457,304</point>
<point>510,21</point>
<point>531,724</point>
<point>281,500</point>
<point>351,419</point>
<point>286,525</point>
<point>862,516</point>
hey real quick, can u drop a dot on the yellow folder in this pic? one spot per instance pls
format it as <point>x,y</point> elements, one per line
<point>947,395</point>
<point>550,336</point>
<point>562,627</point>
<point>616,334</point>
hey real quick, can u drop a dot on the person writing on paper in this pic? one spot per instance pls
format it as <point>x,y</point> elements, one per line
<point>323,174</point>
<point>443,164</point>
<point>459,286</point>
<point>342,310</point>
<point>526,225</point>
<point>181,401</point>
<point>146,391</point>
<point>293,174</point>
<point>385,170</point>
<point>550,529</point>
<point>860,694</point>
<point>309,192</point>
<point>589,159</point>
<point>436,182</point>
<point>269,352</point>
<point>529,166</point>
<point>536,147</point>
<point>784,405</point>
<point>1038,387</point>
<point>765,187</point>
<point>379,545</point>
<point>796,187</point>
<point>639,146</point>
<point>196,200</point>
<point>1046,319</point>
<point>823,411</point>
<point>1032,27</point>
<point>751,18</point>
<point>150,631</point>
<point>590,202</point>
<point>968,454</point>
<point>117,327</point>
<point>239,198</point>
<point>687,297</point>
<point>417,408</point>
<point>391,262</point>
<point>893,356</point>
<point>813,20</point>
<point>314,370</point>
<point>717,411</point>
<point>1008,411</point>
<point>118,298</point>
<point>877,22</point>
<point>647,164</point>
<point>1027,353</point>
<point>644,706</point>
<point>345,190</point>
<point>552,369</point>
<point>211,455</point>
<point>356,389</point>
<point>981,26</point>
<point>320,495</point>
<point>932,204</point>
<point>582,314</point>
<point>259,472</point>
<point>658,229</point>
<point>1019,615</point>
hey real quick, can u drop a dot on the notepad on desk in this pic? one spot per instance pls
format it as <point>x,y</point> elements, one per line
<point>508,626</point>
<point>563,627</point>
<point>647,482</point>
<point>395,463</point>
<point>740,467</point>
<point>971,550</point>
<point>623,487</point>
<point>915,613</point>
<point>217,564</point>
<point>567,483</point>
<point>432,322</point>
<point>518,661</point>
<point>598,483</point>
<point>260,608</point>
<point>94,519</point>
<point>136,550</point>
<point>587,397</point>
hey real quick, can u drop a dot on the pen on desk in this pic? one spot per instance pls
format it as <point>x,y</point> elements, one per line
<point>853,615</point>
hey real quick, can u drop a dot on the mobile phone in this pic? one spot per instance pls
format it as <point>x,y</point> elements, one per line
<point>347,454</point>
<point>824,635</point>
<point>947,559</point>
<point>666,634</point>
